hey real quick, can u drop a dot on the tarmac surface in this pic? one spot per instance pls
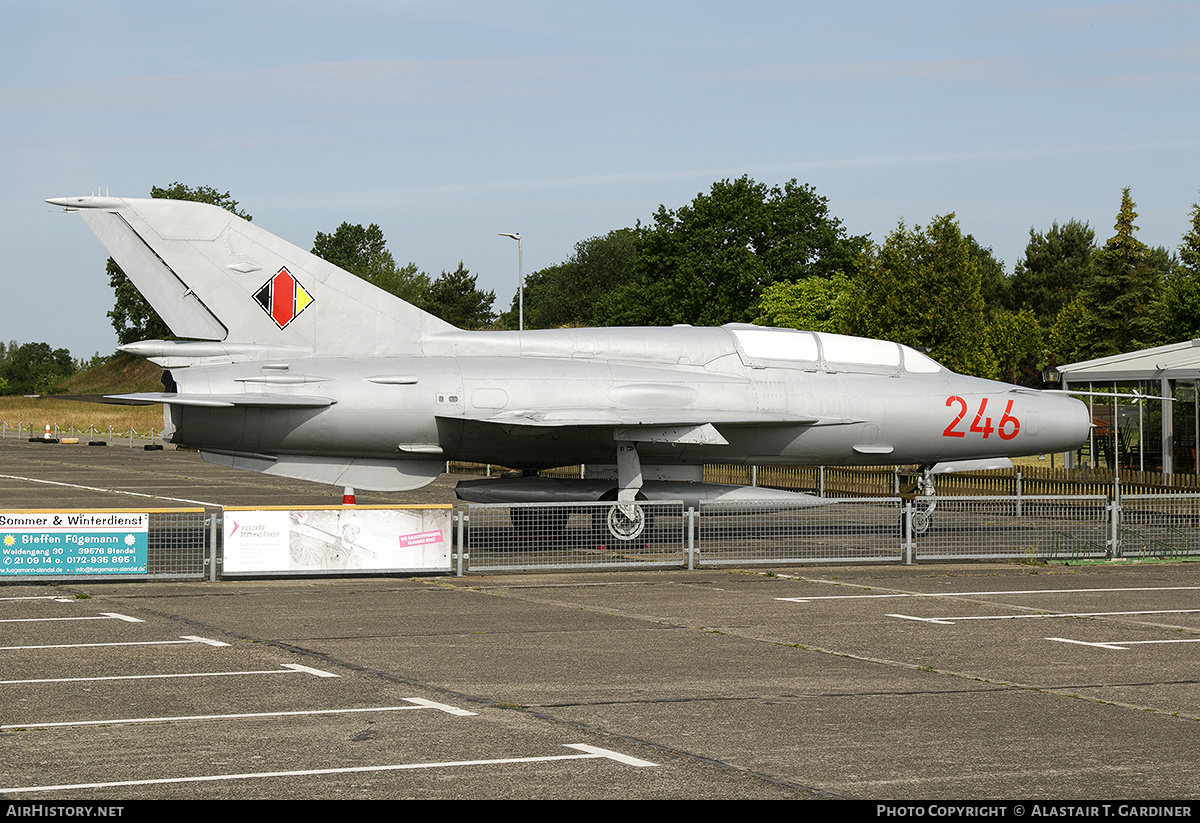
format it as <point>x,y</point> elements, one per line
<point>963,681</point>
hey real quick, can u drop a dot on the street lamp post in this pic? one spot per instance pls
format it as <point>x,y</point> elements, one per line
<point>520,279</point>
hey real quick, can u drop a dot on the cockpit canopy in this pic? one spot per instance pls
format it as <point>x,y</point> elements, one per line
<point>831,352</point>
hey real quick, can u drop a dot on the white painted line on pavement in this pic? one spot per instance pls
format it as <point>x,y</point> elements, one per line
<point>587,753</point>
<point>1123,645</point>
<point>307,670</point>
<point>611,755</point>
<point>1082,643</point>
<point>203,640</point>
<point>950,621</point>
<point>108,491</point>
<point>429,704</point>
<point>993,593</point>
<point>187,640</point>
<point>844,597</point>
<point>415,703</point>
<point>101,616</point>
<point>288,668</point>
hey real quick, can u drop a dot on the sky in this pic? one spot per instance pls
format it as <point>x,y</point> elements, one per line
<point>449,122</point>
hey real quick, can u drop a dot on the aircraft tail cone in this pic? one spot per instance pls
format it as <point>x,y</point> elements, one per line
<point>348,496</point>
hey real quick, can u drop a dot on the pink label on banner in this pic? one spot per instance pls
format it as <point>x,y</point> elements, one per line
<point>421,539</point>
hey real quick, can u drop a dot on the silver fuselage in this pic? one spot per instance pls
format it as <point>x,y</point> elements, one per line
<point>470,405</point>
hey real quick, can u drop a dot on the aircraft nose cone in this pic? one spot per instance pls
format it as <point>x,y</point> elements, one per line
<point>1066,422</point>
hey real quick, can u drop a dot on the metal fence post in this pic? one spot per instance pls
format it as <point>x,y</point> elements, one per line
<point>214,537</point>
<point>691,538</point>
<point>820,481</point>
<point>1019,506</point>
<point>1114,546</point>
<point>458,568</point>
<point>907,551</point>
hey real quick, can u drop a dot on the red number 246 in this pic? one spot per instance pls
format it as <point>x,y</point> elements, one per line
<point>1008,427</point>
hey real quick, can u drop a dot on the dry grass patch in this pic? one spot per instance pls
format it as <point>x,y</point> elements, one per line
<point>38,411</point>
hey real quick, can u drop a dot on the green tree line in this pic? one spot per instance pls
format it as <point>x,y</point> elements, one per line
<point>35,368</point>
<point>776,256</point>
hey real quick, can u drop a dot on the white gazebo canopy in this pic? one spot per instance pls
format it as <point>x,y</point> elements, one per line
<point>1155,374</point>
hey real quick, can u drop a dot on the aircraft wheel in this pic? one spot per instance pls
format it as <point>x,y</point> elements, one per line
<point>602,519</point>
<point>626,521</point>
<point>922,519</point>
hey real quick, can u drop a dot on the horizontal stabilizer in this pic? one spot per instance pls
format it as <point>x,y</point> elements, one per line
<point>211,400</point>
<point>175,353</point>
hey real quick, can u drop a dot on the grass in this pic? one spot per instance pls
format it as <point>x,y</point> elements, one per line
<point>121,375</point>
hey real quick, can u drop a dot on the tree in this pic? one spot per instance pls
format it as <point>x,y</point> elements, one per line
<point>707,263</point>
<point>812,304</point>
<point>132,316</point>
<point>364,252</point>
<point>921,288</point>
<point>994,285</point>
<point>35,368</point>
<point>1067,341</point>
<point>454,298</point>
<point>1183,285</point>
<point>1124,296</point>
<point>580,290</point>
<point>1017,347</point>
<point>1056,265</point>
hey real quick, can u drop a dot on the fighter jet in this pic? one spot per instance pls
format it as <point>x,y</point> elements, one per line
<point>292,366</point>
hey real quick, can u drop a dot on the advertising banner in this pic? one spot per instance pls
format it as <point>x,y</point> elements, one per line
<point>40,543</point>
<point>337,540</point>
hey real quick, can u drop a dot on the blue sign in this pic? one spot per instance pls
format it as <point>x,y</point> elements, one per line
<point>40,543</point>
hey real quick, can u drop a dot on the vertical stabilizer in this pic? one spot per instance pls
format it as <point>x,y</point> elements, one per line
<point>214,276</point>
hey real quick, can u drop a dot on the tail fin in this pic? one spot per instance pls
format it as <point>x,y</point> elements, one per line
<point>213,276</point>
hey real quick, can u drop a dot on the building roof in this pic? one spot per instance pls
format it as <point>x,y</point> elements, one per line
<point>1177,361</point>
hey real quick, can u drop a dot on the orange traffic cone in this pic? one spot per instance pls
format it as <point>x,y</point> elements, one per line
<point>46,436</point>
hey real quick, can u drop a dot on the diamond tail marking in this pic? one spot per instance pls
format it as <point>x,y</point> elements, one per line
<point>283,298</point>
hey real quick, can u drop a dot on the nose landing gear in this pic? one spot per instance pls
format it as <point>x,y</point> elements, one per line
<point>924,499</point>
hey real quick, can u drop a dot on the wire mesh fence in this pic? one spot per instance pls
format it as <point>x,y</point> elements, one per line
<point>1159,525</point>
<point>867,529</point>
<point>178,544</point>
<point>876,530</point>
<point>575,535</point>
<point>511,537</point>
<point>1015,528</point>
